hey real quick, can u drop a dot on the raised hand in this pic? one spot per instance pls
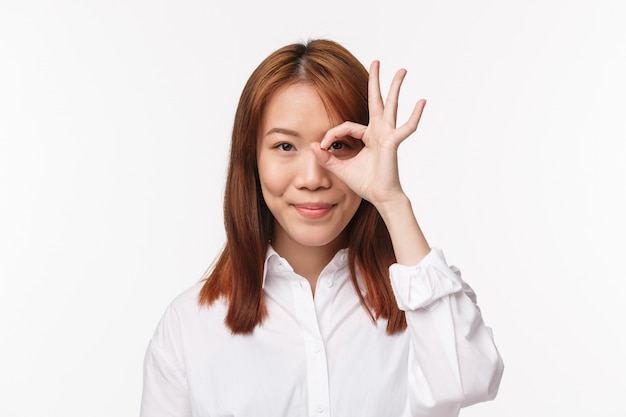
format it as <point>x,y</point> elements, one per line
<point>373,172</point>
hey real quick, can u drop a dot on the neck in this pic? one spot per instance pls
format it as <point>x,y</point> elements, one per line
<point>307,261</point>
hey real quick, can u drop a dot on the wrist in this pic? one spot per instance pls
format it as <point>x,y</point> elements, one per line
<point>409,244</point>
<point>397,205</point>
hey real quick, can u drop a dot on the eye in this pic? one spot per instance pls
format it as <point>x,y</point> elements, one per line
<point>345,148</point>
<point>284,146</point>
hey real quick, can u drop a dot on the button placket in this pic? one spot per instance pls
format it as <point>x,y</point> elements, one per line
<point>317,366</point>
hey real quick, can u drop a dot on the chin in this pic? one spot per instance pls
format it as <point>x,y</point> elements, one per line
<point>316,240</point>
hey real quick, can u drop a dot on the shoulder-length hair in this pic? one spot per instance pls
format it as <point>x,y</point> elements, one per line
<point>237,275</point>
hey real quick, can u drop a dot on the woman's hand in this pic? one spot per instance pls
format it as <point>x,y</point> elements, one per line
<point>373,172</point>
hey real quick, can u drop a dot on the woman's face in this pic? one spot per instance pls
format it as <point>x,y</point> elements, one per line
<point>311,206</point>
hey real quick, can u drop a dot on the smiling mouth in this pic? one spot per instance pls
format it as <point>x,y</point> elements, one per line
<point>313,211</point>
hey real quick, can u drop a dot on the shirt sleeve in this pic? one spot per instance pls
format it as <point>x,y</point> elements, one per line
<point>164,382</point>
<point>453,362</point>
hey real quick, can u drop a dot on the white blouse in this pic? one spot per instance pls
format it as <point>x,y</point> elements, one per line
<point>324,356</point>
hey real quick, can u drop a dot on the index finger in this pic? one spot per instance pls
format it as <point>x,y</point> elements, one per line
<point>351,129</point>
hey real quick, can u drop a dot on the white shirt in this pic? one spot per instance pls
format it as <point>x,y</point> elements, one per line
<point>323,356</point>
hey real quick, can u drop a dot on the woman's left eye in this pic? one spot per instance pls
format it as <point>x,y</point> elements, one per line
<point>345,148</point>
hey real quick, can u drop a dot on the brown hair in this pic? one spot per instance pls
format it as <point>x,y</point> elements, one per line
<point>341,81</point>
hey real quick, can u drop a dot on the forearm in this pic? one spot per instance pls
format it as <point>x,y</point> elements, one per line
<point>409,244</point>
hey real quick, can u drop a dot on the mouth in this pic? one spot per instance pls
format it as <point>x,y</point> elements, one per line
<point>313,210</point>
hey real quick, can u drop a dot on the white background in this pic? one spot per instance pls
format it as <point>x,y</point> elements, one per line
<point>115,119</point>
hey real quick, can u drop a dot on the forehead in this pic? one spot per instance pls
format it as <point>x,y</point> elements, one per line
<point>295,104</point>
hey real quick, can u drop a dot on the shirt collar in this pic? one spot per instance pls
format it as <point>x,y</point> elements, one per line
<point>273,260</point>
<point>270,256</point>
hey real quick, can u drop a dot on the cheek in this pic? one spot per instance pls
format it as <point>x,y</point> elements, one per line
<point>274,180</point>
<point>355,202</point>
<point>352,201</point>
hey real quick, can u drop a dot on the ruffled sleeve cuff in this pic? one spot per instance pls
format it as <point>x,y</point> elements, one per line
<point>421,285</point>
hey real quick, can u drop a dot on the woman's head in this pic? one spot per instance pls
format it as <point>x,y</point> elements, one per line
<point>332,71</point>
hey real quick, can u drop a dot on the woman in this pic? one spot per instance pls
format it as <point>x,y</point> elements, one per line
<point>327,299</point>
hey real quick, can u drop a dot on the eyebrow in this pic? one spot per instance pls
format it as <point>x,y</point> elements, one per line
<point>282,131</point>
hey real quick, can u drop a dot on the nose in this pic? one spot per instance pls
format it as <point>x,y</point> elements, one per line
<point>310,174</point>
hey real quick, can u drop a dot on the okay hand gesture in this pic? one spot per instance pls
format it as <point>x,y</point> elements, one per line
<point>373,172</point>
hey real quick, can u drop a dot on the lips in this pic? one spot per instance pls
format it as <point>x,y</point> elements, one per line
<point>313,210</point>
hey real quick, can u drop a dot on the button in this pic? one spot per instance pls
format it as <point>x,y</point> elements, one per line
<point>320,409</point>
<point>344,257</point>
<point>317,348</point>
<point>329,283</point>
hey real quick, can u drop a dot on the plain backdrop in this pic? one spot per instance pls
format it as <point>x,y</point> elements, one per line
<point>115,121</point>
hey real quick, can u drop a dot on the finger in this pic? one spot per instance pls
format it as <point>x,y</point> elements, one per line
<point>374,97</point>
<point>351,129</point>
<point>327,159</point>
<point>391,103</point>
<point>410,126</point>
